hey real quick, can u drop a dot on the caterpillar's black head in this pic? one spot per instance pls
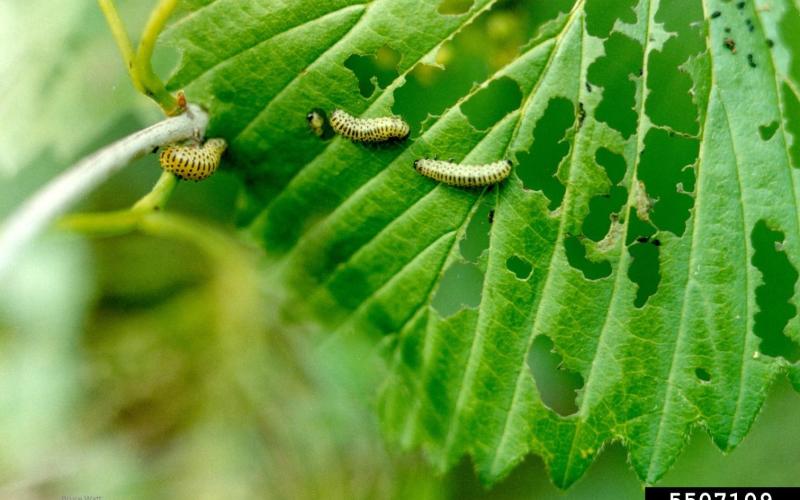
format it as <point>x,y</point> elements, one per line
<point>510,163</point>
<point>416,164</point>
<point>318,123</point>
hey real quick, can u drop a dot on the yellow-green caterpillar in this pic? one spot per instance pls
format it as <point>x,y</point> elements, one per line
<point>373,130</point>
<point>455,174</point>
<point>193,162</point>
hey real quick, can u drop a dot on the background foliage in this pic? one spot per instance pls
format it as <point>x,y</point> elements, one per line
<point>158,370</point>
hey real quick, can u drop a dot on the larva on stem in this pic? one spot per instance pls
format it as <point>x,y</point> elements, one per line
<point>372,130</point>
<point>455,174</point>
<point>193,162</point>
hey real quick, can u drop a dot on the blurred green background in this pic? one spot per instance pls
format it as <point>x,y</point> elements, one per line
<point>140,367</point>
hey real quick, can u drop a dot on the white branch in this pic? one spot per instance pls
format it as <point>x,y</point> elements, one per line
<point>61,193</point>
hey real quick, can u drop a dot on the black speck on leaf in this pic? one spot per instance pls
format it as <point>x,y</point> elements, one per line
<point>730,45</point>
<point>715,14</point>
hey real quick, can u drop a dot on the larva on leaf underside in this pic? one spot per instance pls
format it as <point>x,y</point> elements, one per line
<point>371,130</point>
<point>455,174</point>
<point>193,161</point>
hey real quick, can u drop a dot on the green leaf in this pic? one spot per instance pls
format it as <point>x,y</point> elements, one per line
<point>644,248</point>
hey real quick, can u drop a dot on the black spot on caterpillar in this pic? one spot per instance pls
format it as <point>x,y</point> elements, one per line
<point>373,130</point>
<point>193,161</point>
<point>318,123</point>
<point>464,175</point>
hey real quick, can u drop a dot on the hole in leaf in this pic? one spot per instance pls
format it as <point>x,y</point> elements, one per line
<point>429,90</point>
<point>488,43</point>
<point>644,270</point>
<point>380,68</point>
<point>638,229</point>
<point>767,131</point>
<point>535,13</point>
<point>538,167</point>
<point>557,385</point>
<point>602,14</point>
<point>492,103</point>
<point>576,256</point>
<point>613,163</point>
<point>476,237</point>
<point>455,7</point>
<point>792,124</point>
<point>669,101</point>
<point>703,374</point>
<point>789,29</point>
<point>774,295</point>
<point>601,210</point>
<point>520,267</point>
<point>614,72</point>
<point>459,287</point>
<point>666,168</point>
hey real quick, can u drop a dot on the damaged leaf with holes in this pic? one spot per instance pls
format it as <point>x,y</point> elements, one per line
<point>634,278</point>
